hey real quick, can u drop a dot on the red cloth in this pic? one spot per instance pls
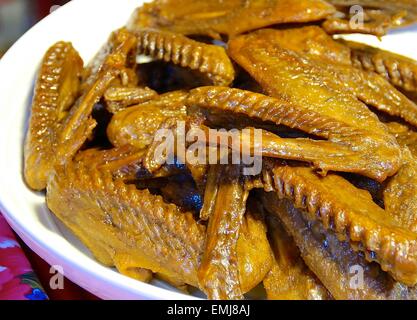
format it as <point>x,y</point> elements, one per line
<point>17,279</point>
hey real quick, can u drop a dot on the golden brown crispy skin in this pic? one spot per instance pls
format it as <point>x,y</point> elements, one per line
<point>141,216</point>
<point>136,126</point>
<point>346,273</point>
<point>125,163</point>
<point>309,40</point>
<point>231,17</point>
<point>321,49</point>
<point>130,126</point>
<point>400,194</point>
<point>210,60</point>
<point>405,136</point>
<point>299,81</point>
<point>118,42</point>
<point>346,149</point>
<point>56,89</point>
<point>134,230</point>
<point>399,70</point>
<point>119,98</point>
<point>333,261</point>
<point>111,217</point>
<point>328,195</point>
<point>219,273</point>
<point>290,278</point>
<point>322,154</point>
<point>255,257</point>
<point>379,16</point>
<point>368,87</point>
<point>350,213</point>
<point>79,124</point>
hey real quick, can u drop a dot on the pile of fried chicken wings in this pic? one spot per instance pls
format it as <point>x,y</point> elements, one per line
<point>336,196</point>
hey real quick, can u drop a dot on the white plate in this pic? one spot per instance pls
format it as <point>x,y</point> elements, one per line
<point>87,23</point>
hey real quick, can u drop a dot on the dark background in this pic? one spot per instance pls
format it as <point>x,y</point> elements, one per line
<point>17,16</point>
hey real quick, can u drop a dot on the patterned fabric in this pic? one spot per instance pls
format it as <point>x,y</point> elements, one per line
<point>17,279</point>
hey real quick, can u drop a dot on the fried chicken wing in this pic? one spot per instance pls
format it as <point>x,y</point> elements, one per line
<point>350,213</point>
<point>111,217</point>
<point>208,59</point>
<point>345,272</point>
<point>317,93</point>
<point>399,70</point>
<point>218,273</point>
<point>321,49</point>
<point>79,124</point>
<point>370,222</point>
<point>136,126</point>
<point>132,127</point>
<point>57,88</point>
<point>216,17</point>
<point>136,231</point>
<point>346,57</point>
<point>370,16</point>
<point>59,128</point>
<point>333,261</point>
<point>311,41</point>
<point>343,152</point>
